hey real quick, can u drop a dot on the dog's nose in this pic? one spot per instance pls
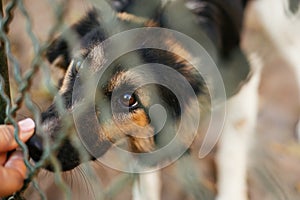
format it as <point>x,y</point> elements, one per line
<point>35,147</point>
<point>66,155</point>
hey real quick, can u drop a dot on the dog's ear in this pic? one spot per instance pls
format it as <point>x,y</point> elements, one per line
<point>219,21</point>
<point>61,48</point>
<point>216,25</point>
<point>230,22</point>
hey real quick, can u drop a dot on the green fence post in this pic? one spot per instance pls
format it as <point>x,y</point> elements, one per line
<point>4,74</point>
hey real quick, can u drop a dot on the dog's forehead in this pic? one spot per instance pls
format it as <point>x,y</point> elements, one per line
<point>134,69</point>
<point>103,56</point>
<point>117,71</point>
<point>96,58</point>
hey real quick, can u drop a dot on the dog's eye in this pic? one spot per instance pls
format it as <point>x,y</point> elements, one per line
<point>128,100</point>
<point>77,64</point>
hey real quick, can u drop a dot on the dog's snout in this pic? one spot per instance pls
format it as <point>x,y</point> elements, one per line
<point>67,155</point>
<point>35,147</point>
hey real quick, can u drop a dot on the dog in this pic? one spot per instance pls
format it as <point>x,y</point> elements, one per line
<point>216,25</point>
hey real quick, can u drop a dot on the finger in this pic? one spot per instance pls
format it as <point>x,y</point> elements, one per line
<point>16,161</point>
<point>7,140</point>
<point>2,158</point>
<point>12,175</point>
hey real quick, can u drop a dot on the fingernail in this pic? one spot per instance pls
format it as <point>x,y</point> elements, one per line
<point>26,125</point>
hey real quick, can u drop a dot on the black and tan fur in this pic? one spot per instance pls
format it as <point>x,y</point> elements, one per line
<point>216,25</point>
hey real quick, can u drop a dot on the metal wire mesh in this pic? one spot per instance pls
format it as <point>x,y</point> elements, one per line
<point>186,171</point>
<point>23,81</point>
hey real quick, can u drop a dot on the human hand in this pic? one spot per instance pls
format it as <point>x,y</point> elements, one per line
<point>13,169</point>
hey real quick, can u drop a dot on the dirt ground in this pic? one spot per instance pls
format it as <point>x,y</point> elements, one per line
<point>275,159</point>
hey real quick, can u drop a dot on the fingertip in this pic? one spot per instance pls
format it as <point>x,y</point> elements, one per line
<point>26,125</point>
<point>26,128</point>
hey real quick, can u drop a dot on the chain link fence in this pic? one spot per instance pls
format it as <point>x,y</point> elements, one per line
<point>26,80</point>
<point>23,84</point>
<point>22,81</point>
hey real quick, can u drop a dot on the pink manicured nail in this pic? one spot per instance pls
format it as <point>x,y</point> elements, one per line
<point>26,125</point>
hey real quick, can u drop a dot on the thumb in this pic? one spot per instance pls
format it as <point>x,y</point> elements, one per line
<point>7,140</point>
